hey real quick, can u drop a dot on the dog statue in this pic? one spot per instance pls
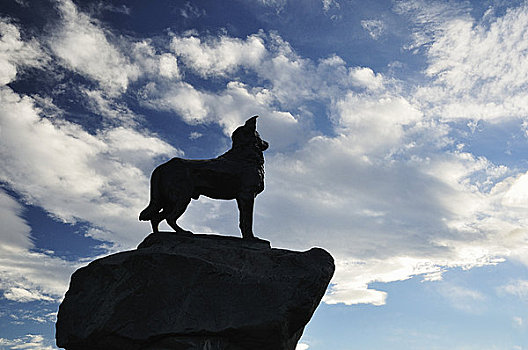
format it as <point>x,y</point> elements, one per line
<point>237,174</point>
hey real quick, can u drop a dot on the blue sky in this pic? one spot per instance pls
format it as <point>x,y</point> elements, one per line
<point>398,136</point>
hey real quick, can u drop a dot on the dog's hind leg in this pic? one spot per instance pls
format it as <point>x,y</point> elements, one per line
<point>156,219</point>
<point>177,210</point>
<point>245,206</point>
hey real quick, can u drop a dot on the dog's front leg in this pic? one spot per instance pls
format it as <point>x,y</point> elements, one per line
<point>245,206</point>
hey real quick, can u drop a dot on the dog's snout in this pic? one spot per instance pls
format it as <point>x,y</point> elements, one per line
<point>264,145</point>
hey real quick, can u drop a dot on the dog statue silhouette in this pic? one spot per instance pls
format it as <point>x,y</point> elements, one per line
<point>237,174</point>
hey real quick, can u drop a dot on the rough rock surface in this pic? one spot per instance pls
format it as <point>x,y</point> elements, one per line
<point>180,291</point>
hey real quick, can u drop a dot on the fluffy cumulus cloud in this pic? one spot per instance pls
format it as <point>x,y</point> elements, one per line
<point>153,64</point>
<point>218,56</point>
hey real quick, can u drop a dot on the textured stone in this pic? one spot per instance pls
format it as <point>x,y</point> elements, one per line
<point>179,291</point>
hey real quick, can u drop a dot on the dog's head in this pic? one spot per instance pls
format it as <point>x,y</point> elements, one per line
<point>247,135</point>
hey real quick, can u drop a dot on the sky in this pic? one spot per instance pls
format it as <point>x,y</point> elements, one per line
<point>398,134</point>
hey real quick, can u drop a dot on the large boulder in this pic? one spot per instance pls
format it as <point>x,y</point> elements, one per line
<point>178,291</point>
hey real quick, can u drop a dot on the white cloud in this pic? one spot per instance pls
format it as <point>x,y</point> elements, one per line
<point>295,80</point>
<point>374,122</point>
<point>15,231</point>
<point>292,79</point>
<point>278,5</point>
<point>350,283</point>
<point>41,315</point>
<point>229,108</point>
<point>302,346</point>
<point>113,112</point>
<point>218,56</point>
<point>181,98</point>
<point>168,67</point>
<point>517,194</point>
<point>429,17</point>
<point>328,4</point>
<point>463,298</point>
<point>475,67</point>
<point>289,83</point>
<point>85,48</point>
<point>24,295</point>
<point>152,64</point>
<point>195,135</point>
<point>374,27</point>
<point>191,11</point>
<point>71,174</point>
<point>389,218</point>
<point>75,175</point>
<point>366,78</point>
<point>123,9</point>
<point>26,275</point>
<point>517,288</point>
<point>15,54</point>
<point>29,342</point>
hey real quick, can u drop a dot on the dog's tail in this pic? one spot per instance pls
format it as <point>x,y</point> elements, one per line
<point>155,204</point>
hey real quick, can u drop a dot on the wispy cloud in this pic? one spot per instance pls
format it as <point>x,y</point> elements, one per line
<point>27,275</point>
<point>16,54</point>
<point>218,56</point>
<point>474,65</point>
<point>329,4</point>
<point>278,5</point>
<point>463,298</point>
<point>517,288</point>
<point>190,10</point>
<point>28,342</point>
<point>374,27</point>
<point>518,322</point>
<point>429,18</point>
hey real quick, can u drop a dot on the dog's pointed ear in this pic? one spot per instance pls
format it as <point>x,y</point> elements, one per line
<point>252,122</point>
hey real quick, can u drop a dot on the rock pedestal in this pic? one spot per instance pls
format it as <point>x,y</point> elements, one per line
<point>194,292</point>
